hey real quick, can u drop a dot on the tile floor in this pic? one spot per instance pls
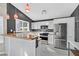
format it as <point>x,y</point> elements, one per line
<point>49,50</point>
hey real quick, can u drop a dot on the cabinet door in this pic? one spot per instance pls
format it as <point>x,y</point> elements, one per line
<point>12,47</point>
<point>25,26</point>
<point>18,25</point>
<point>22,26</point>
<point>50,25</point>
<point>19,47</point>
<point>32,25</point>
<point>35,26</point>
<point>50,39</point>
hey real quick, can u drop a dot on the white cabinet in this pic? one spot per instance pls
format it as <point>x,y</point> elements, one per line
<point>25,26</point>
<point>18,25</point>
<point>37,25</point>
<point>32,25</point>
<point>50,25</point>
<point>22,26</point>
<point>50,39</point>
<point>10,46</point>
<point>19,47</point>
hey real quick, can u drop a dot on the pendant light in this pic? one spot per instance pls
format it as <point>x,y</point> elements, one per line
<point>7,16</point>
<point>15,16</point>
<point>28,8</point>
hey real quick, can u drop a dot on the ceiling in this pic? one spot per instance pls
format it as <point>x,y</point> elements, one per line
<point>53,10</point>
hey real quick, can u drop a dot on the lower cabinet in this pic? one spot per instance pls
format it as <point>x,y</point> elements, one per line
<point>50,39</point>
<point>19,47</point>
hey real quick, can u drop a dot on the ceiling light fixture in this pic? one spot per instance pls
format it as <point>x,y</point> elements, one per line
<point>28,8</point>
<point>44,12</point>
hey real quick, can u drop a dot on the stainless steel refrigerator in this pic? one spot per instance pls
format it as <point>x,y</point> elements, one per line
<point>60,40</point>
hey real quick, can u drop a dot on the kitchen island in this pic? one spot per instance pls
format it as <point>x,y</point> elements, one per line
<point>18,45</point>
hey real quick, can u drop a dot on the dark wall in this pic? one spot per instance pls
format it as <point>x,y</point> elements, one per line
<point>76,15</point>
<point>11,21</point>
<point>11,10</point>
<point>11,25</point>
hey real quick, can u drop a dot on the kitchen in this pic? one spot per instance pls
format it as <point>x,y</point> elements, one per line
<point>19,29</point>
<point>23,36</point>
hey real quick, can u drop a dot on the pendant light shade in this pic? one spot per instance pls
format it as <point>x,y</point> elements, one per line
<point>15,16</point>
<point>7,16</point>
<point>28,8</point>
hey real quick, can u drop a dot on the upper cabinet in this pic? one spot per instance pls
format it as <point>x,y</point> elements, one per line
<point>25,26</point>
<point>37,25</point>
<point>50,25</point>
<point>22,26</point>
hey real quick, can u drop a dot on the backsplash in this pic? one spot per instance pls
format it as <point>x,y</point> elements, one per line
<point>42,30</point>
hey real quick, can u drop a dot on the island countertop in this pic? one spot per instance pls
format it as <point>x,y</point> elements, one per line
<point>19,36</point>
<point>26,36</point>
